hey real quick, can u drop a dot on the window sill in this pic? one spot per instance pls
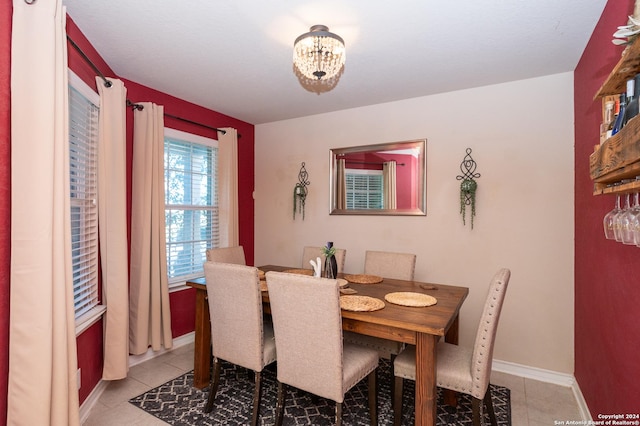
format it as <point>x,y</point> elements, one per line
<point>90,318</point>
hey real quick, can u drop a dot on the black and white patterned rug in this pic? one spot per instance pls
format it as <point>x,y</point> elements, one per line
<point>178,403</point>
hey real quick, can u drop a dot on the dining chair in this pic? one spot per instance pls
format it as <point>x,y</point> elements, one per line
<point>458,368</point>
<point>238,333</point>
<point>399,266</point>
<point>227,255</point>
<point>311,253</point>
<point>312,356</point>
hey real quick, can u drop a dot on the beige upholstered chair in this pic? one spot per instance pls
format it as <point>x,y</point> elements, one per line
<point>238,334</point>
<point>311,355</point>
<point>458,368</point>
<point>227,255</point>
<point>398,266</point>
<point>311,253</point>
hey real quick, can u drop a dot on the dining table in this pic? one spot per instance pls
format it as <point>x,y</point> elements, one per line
<point>419,326</point>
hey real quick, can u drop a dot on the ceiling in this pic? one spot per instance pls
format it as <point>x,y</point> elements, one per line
<point>235,57</point>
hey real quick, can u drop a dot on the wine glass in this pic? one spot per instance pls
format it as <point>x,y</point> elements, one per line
<point>617,219</point>
<point>627,227</point>
<point>608,220</point>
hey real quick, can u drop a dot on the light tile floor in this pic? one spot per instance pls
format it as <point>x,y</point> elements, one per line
<point>533,403</point>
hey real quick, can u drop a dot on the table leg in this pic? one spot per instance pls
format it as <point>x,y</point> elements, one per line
<point>426,390</point>
<point>202,344</point>
<point>450,397</point>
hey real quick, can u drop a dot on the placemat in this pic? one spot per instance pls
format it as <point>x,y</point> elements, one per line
<point>300,271</point>
<point>342,282</point>
<point>263,285</point>
<point>360,303</point>
<point>407,298</point>
<point>261,274</point>
<point>363,278</point>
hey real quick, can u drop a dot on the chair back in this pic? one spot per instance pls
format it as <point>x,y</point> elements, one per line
<point>398,266</point>
<point>227,255</point>
<point>311,253</point>
<point>307,325</point>
<point>235,308</point>
<point>486,334</point>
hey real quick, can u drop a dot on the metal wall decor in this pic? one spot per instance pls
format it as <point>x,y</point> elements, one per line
<point>300,191</point>
<point>468,186</point>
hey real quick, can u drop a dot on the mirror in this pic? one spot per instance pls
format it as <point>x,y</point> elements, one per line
<point>382,179</point>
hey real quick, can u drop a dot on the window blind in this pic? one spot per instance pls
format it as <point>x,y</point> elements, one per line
<point>364,191</point>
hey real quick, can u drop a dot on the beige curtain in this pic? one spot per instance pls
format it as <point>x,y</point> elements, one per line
<point>112,218</point>
<point>389,184</point>
<point>228,187</point>
<point>42,382</point>
<point>341,185</point>
<point>149,313</point>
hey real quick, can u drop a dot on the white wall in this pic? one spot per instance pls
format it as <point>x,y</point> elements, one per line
<point>521,134</point>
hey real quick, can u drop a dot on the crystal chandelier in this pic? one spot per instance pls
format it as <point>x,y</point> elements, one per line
<point>318,56</point>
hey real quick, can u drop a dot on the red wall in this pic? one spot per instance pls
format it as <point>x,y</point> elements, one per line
<point>607,284</point>
<point>6,10</point>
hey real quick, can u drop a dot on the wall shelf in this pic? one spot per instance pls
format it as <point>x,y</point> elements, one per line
<point>616,162</point>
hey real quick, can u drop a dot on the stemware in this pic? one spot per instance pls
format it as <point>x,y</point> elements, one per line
<point>609,232</point>
<point>627,228</point>
<point>618,219</point>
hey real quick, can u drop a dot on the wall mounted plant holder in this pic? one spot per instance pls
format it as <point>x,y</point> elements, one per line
<point>468,186</point>
<point>300,192</point>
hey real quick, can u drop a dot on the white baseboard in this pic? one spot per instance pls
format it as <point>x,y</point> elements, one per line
<point>549,376</point>
<point>95,394</point>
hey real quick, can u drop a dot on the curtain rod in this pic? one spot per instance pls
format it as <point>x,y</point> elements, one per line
<point>377,163</point>
<point>107,83</point>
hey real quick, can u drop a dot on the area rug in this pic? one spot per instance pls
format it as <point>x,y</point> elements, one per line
<point>178,403</point>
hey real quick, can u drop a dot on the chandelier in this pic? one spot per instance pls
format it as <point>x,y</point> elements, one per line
<point>318,56</point>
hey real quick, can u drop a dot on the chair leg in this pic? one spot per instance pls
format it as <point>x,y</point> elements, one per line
<point>338,413</point>
<point>489,403</point>
<point>392,358</point>
<point>397,400</point>
<point>476,404</point>
<point>373,398</point>
<point>213,388</point>
<point>280,404</point>
<point>256,398</point>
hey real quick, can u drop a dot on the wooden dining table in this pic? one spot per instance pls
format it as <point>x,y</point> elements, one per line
<point>419,326</point>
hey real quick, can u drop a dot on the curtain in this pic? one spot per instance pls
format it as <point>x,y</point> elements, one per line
<point>341,185</point>
<point>389,184</point>
<point>112,219</point>
<point>228,187</point>
<point>149,313</point>
<point>42,382</point>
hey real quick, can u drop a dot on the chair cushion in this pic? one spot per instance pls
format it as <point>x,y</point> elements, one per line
<point>358,362</point>
<point>385,347</point>
<point>269,344</point>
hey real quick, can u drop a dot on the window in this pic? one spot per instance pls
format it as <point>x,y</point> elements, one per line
<point>364,189</point>
<point>83,166</point>
<point>191,203</point>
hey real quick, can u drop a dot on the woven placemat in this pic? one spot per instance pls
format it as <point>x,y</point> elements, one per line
<point>300,271</point>
<point>360,303</point>
<point>363,278</point>
<point>261,274</point>
<point>407,298</point>
<point>263,285</point>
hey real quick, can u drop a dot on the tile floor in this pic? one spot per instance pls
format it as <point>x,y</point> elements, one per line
<point>533,403</point>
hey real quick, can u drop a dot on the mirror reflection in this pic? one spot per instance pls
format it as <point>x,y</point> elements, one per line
<point>382,179</point>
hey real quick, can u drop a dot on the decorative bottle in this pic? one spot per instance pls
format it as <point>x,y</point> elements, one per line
<point>330,263</point>
<point>617,125</point>
<point>632,105</point>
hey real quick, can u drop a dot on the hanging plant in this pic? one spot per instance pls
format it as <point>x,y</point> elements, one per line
<point>468,186</point>
<point>300,192</point>
<point>468,197</point>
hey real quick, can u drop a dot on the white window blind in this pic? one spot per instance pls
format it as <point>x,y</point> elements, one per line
<point>191,203</point>
<point>83,146</point>
<point>364,190</point>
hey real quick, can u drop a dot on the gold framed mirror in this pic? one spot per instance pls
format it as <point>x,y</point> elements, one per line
<point>382,179</point>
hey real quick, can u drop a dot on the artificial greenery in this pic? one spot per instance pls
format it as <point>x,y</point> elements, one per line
<point>468,189</point>
<point>299,197</point>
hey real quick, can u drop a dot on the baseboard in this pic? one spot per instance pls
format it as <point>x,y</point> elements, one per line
<point>549,376</point>
<point>95,394</point>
